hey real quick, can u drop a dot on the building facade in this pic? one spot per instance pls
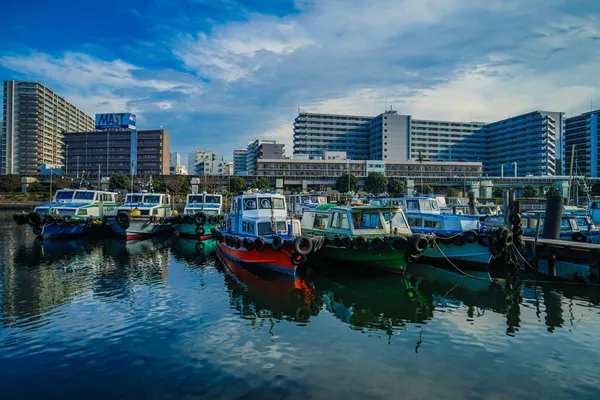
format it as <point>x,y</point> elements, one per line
<point>389,136</point>
<point>239,162</point>
<point>530,140</point>
<point>261,149</point>
<point>313,168</point>
<point>581,139</point>
<point>446,140</point>
<point>142,152</point>
<point>34,121</point>
<point>175,162</point>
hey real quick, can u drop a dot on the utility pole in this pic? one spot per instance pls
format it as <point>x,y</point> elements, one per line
<point>98,176</point>
<point>67,160</point>
<point>77,167</point>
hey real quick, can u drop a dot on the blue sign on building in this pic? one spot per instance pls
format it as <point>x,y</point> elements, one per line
<point>115,121</point>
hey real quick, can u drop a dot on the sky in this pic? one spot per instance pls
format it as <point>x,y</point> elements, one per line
<point>220,73</point>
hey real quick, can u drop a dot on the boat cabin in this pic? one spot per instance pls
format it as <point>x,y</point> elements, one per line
<point>81,202</point>
<point>297,203</point>
<point>148,204</point>
<point>570,224</point>
<point>260,214</point>
<point>594,208</point>
<point>366,220</point>
<point>210,204</point>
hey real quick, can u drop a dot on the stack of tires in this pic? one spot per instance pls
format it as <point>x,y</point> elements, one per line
<point>413,246</point>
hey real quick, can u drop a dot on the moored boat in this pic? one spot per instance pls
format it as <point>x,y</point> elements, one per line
<point>145,214</point>
<point>370,235</point>
<point>202,213</point>
<point>258,232</point>
<point>460,238</point>
<point>71,212</point>
<point>298,203</point>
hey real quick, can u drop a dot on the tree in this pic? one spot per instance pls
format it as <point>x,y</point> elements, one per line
<point>396,187</point>
<point>341,184</point>
<point>119,181</point>
<point>376,183</point>
<point>426,189</point>
<point>530,191</point>
<point>10,183</point>
<point>450,192</point>
<point>262,183</point>
<point>177,183</point>
<point>497,192</point>
<point>238,184</point>
<point>36,187</point>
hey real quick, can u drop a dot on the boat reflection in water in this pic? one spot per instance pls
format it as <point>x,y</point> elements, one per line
<point>194,253</point>
<point>260,293</point>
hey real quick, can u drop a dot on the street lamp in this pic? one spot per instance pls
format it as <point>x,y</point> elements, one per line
<point>67,160</point>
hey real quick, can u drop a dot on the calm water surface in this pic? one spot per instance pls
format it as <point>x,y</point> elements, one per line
<point>163,319</point>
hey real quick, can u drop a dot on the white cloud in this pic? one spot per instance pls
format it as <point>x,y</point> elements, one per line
<point>164,105</point>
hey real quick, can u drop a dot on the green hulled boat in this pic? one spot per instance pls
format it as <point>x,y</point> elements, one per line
<point>371,235</point>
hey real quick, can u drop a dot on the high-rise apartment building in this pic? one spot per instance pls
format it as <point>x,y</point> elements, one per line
<point>239,162</point>
<point>34,121</point>
<point>530,140</point>
<point>581,139</point>
<point>117,152</point>
<point>389,136</point>
<point>260,149</point>
<point>315,133</point>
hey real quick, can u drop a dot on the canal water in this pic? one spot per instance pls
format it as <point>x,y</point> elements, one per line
<point>165,319</point>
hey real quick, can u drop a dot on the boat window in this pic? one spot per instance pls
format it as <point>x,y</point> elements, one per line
<point>63,211</point>
<point>64,195</point>
<point>340,221</point>
<point>265,203</point>
<point>415,222</point>
<point>244,226</point>
<point>250,227</point>
<point>155,211</point>
<point>250,204</point>
<point>152,199</point>
<point>84,195</point>
<point>278,204</point>
<point>304,198</point>
<point>321,221</point>
<point>82,211</point>
<point>264,228</point>
<point>211,199</point>
<point>581,222</point>
<point>434,205</point>
<point>565,224</point>
<point>196,199</point>
<point>366,221</point>
<point>426,205</point>
<point>573,224</point>
<point>412,204</point>
<point>433,224</point>
<point>397,220</point>
<point>133,198</point>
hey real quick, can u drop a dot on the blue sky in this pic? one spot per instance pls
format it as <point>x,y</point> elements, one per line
<point>219,73</point>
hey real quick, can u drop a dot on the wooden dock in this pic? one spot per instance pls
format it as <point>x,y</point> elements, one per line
<point>554,251</point>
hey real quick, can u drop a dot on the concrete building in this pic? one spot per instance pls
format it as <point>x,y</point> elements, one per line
<point>529,140</point>
<point>117,152</point>
<point>229,170</point>
<point>581,135</point>
<point>315,133</point>
<point>446,140</point>
<point>181,170</point>
<point>34,121</point>
<point>175,162</point>
<point>361,168</point>
<point>389,136</point>
<point>239,162</point>
<point>261,149</point>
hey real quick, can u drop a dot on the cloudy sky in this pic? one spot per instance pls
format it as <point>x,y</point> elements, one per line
<point>219,73</point>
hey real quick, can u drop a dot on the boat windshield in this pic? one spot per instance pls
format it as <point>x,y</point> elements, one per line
<point>152,199</point>
<point>133,198</point>
<point>267,202</point>
<point>64,195</point>
<point>212,199</point>
<point>304,198</point>
<point>397,221</point>
<point>84,195</point>
<point>196,199</point>
<point>366,221</point>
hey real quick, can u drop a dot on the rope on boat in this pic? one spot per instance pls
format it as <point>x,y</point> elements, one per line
<point>460,270</point>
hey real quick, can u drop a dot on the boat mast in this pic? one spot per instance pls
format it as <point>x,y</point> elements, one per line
<point>571,174</point>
